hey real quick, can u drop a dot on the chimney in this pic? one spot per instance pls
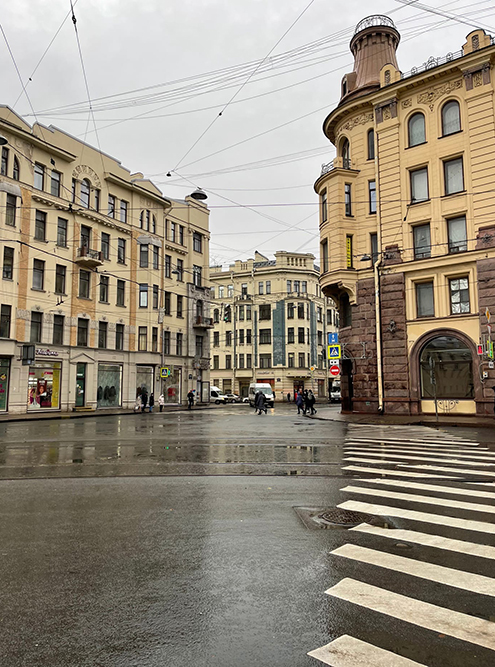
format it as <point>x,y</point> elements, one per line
<point>374,45</point>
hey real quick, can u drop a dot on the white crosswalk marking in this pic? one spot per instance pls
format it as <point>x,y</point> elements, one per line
<point>405,459</point>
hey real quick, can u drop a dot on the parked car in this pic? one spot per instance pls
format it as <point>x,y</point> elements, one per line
<point>245,399</point>
<point>335,393</point>
<point>216,396</point>
<point>233,398</point>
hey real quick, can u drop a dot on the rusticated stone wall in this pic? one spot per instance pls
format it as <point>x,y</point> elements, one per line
<point>486,299</point>
<point>394,344</point>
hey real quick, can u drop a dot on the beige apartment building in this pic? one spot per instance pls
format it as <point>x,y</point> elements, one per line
<point>270,325</point>
<point>407,210</point>
<point>103,279</point>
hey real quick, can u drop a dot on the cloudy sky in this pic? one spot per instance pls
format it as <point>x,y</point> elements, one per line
<point>159,73</point>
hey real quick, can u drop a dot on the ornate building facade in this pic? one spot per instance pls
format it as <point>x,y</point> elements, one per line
<point>407,209</point>
<point>103,279</point>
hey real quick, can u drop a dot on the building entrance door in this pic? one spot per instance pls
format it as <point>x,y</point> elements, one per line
<point>80,385</point>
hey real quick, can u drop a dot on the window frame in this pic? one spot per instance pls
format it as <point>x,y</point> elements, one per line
<point>442,117</point>
<point>104,289</point>
<point>412,173</point>
<point>372,200</point>
<point>348,200</point>
<point>55,180</point>
<point>38,275</point>
<point>466,290</point>
<point>84,282</point>
<point>62,225</point>
<point>452,245</point>
<point>82,332</point>
<point>60,279</point>
<point>421,254</point>
<point>450,161</point>
<point>417,289</point>
<point>40,226</point>
<point>8,263</point>
<point>370,144</point>
<point>416,114</point>
<point>39,176</point>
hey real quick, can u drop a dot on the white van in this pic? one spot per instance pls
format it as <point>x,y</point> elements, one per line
<point>266,388</point>
<point>216,396</point>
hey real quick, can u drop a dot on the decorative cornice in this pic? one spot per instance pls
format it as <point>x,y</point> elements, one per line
<point>430,96</point>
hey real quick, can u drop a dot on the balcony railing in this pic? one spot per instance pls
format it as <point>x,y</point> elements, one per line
<point>337,163</point>
<point>88,257</point>
<point>203,322</point>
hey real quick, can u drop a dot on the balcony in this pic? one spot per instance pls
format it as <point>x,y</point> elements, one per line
<point>337,163</point>
<point>89,258</point>
<point>201,322</point>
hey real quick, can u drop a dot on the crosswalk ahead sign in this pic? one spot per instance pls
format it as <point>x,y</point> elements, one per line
<point>334,352</point>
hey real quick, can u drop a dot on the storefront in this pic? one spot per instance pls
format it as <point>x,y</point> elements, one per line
<point>4,383</point>
<point>109,392</point>
<point>171,385</point>
<point>44,385</point>
<point>145,376</point>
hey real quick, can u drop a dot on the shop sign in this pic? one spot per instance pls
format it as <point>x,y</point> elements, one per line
<point>45,352</point>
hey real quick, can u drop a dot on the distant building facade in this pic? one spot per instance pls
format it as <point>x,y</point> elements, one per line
<point>270,325</point>
<point>407,209</point>
<point>102,276</point>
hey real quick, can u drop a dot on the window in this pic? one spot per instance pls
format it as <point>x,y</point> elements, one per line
<point>143,256</point>
<point>241,336</point>
<point>97,194</point>
<point>168,266</point>
<point>154,339</point>
<point>153,225</point>
<point>16,170</point>
<point>141,220</point>
<point>216,339</point>
<point>459,295</point>
<point>371,144</point>
<point>104,282</point>
<point>85,236</point>
<point>216,362</point>
<point>248,312</point>
<point>38,274</point>
<point>346,154</point>
<point>244,289</point>
<point>173,232</point>
<point>265,336</point>
<point>425,305</point>
<point>197,275</point>
<point>451,118</point>
<point>319,314</point>
<point>324,255</point>
<point>82,332</point>
<point>5,318</point>
<point>372,196</point>
<point>85,193</point>
<point>419,185</point>
<point>179,344</point>
<point>221,290</point>
<point>5,161</point>
<point>374,247</point>
<point>248,337</point>
<point>300,335</point>
<point>454,176</point>
<point>266,312</point>
<point>416,130</point>
<point>119,336</point>
<point>446,369</point>
<point>105,245</point>
<point>143,296</point>
<point>329,317</point>
<point>74,190</point>
<point>289,286</point>
<point>147,221</point>
<point>197,242</point>
<point>60,273</point>
<point>302,360</point>
<point>290,335</point>
<point>260,288</point>
<point>291,363</point>
<point>62,233</point>
<point>241,361</point>
<point>40,226</point>
<point>180,270</point>
<point>181,235</point>
<point>167,301</point>
<point>457,234</point>
<point>123,211</point>
<point>216,316</point>
<point>111,206</point>
<point>265,360</point>
<point>249,362</point>
<point>155,297</point>
<point>39,176</point>
<point>304,287</point>
<point>120,293</point>
<point>180,301</point>
<point>121,251</point>
<point>55,183</point>
<point>8,263</point>
<point>230,291</point>
<point>241,313</point>
<point>228,338</point>
<point>324,206</point>
<point>348,202</point>
<point>320,338</point>
<point>300,311</point>
<point>102,334</point>
<point>199,346</point>
<point>297,286</point>
<point>36,327</point>
<point>143,339</point>
<point>422,241</point>
<point>84,284</point>
<point>268,287</point>
<point>228,361</point>
<point>156,257</point>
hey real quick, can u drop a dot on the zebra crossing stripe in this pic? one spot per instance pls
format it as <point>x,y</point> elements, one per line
<point>416,612</point>
<point>427,540</point>
<point>443,469</point>
<point>348,651</point>
<point>425,500</point>
<point>398,473</point>
<point>385,454</point>
<point>397,451</point>
<point>424,517</point>
<point>453,490</point>
<point>467,581</point>
<point>412,441</point>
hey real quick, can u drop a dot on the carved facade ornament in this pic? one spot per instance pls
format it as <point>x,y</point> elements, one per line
<point>477,79</point>
<point>407,103</point>
<point>386,111</point>
<point>84,171</point>
<point>386,114</point>
<point>362,119</point>
<point>431,96</point>
<point>478,76</point>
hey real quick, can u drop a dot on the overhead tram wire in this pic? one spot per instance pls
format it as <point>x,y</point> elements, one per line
<point>449,15</point>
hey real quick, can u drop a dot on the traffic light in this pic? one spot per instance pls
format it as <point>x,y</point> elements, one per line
<point>227,315</point>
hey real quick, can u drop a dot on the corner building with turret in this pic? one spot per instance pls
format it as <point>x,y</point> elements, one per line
<point>407,229</point>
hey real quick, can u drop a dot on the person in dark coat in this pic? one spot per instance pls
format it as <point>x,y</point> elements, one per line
<point>260,402</point>
<point>288,397</point>
<point>152,401</point>
<point>144,400</point>
<point>190,399</point>
<point>299,402</point>
<point>311,402</point>
<point>305,401</point>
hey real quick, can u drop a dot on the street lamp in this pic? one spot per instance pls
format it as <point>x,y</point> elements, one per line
<point>199,194</point>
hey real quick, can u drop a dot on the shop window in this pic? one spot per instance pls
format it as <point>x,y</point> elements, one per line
<point>459,296</point>
<point>451,118</point>
<point>82,332</point>
<point>422,241</point>
<point>457,234</point>
<point>119,336</point>
<point>36,327</point>
<point>44,386</point>
<point>109,392</point>
<point>425,303</point>
<point>454,176</point>
<point>416,130</point>
<point>446,368</point>
<point>5,319</point>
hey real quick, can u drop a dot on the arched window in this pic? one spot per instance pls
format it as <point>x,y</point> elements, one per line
<point>371,144</point>
<point>446,367</point>
<point>451,118</point>
<point>141,220</point>
<point>216,316</point>
<point>416,129</point>
<point>85,190</point>
<point>16,172</point>
<point>346,154</point>
<point>147,221</point>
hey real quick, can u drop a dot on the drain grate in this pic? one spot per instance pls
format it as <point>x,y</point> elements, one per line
<point>340,517</point>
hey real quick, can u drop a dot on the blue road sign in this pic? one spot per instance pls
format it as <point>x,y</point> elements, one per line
<point>333,338</point>
<point>334,352</point>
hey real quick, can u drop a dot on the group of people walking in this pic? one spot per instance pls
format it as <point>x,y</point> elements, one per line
<point>305,401</point>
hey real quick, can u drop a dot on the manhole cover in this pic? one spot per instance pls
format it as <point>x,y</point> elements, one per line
<point>339,517</point>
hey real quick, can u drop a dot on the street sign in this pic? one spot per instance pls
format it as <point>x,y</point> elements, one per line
<point>165,372</point>
<point>487,315</point>
<point>334,352</point>
<point>334,370</point>
<point>312,368</point>
<point>333,338</point>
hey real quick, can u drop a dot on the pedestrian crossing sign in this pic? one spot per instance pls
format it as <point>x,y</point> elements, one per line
<point>334,352</point>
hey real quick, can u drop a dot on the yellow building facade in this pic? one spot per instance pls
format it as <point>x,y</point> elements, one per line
<point>270,325</point>
<point>406,226</point>
<point>103,279</point>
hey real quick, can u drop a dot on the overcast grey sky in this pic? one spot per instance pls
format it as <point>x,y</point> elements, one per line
<point>130,44</point>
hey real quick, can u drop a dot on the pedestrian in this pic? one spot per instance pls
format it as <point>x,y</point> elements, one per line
<point>190,399</point>
<point>152,401</point>
<point>144,400</point>
<point>299,402</point>
<point>305,401</point>
<point>138,404</point>
<point>260,402</point>
<point>288,397</point>
<point>161,401</point>
<point>311,402</point>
